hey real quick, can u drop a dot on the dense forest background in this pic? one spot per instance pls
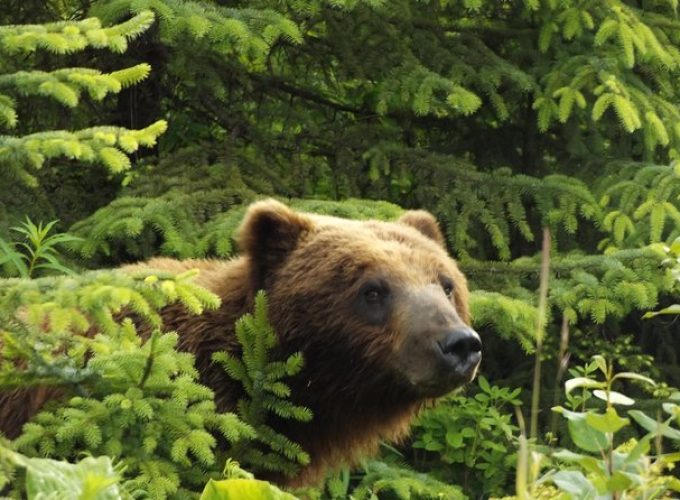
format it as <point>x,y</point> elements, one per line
<point>144,127</point>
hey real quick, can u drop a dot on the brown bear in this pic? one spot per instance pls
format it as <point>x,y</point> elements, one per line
<point>378,309</point>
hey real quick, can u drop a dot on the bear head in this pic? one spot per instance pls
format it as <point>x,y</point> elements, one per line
<point>375,307</point>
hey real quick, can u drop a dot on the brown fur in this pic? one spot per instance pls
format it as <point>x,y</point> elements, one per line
<point>310,267</point>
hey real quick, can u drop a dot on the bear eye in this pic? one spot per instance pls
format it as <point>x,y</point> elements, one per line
<point>447,286</point>
<point>375,293</point>
<point>373,301</point>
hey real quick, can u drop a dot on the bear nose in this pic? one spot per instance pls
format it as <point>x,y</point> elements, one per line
<point>464,343</point>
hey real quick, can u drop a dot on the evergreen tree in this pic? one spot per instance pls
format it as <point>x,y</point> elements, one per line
<point>23,154</point>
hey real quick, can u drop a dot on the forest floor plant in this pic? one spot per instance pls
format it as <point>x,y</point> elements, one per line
<point>267,394</point>
<point>37,253</point>
<point>605,458</point>
<point>469,440</point>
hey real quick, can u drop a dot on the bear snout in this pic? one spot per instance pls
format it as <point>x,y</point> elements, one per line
<point>462,351</point>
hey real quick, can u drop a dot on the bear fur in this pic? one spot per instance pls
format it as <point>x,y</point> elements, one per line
<point>371,305</point>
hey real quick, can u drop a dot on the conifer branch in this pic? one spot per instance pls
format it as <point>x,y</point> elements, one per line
<point>266,393</point>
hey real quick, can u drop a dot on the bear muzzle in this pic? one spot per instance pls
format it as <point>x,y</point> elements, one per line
<point>437,351</point>
<point>461,350</point>
<point>436,362</point>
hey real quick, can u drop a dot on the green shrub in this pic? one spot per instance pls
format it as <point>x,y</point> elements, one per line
<point>469,441</point>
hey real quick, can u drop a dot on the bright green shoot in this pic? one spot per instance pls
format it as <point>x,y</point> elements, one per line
<point>603,389</point>
<point>36,251</point>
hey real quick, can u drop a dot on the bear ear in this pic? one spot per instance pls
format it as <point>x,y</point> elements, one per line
<point>425,223</point>
<point>269,232</point>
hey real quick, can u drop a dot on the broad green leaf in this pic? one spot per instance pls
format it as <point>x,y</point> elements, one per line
<point>89,479</point>
<point>634,376</point>
<point>484,384</point>
<point>614,397</point>
<point>434,446</point>
<point>588,462</point>
<point>585,382</point>
<point>583,435</point>
<point>610,421</point>
<point>601,363</point>
<point>454,439</point>
<point>656,428</point>
<point>674,484</point>
<point>243,489</point>
<point>619,481</point>
<point>574,483</point>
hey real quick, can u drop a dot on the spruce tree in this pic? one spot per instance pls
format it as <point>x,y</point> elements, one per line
<point>25,77</point>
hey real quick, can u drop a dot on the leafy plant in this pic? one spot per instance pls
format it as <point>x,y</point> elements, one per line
<point>470,440</point>
<point>89,479</point>
<point>615,470</point>
<point>37,251</point>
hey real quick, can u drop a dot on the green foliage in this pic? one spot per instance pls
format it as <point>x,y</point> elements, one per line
<point>266,393</point>
<point>20,155</point>
<point>37,251</point>
<point>624,352</point>
<point>243,489</point>
<point>240,484</point>
<point>618,284</point>
<point>583,287</point>
<point>630,38</point>
<point>66,85</point>
<point>626,469</point>
<point>170,211</point>
<point>511,318</point>
<point>382,480</point>
<point>644,197</point>
<point>122,394</point>
<point>245,34</point>
<point>672,263</point>
<point>469,440</point>
<point>91,478</point>
<point>496,209</point>
<point>106,145</point>
<point>71,36</point>
<point>146,408</point>
<point>424,92</point>
<point>500,119</point>
<point>180,207</point>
